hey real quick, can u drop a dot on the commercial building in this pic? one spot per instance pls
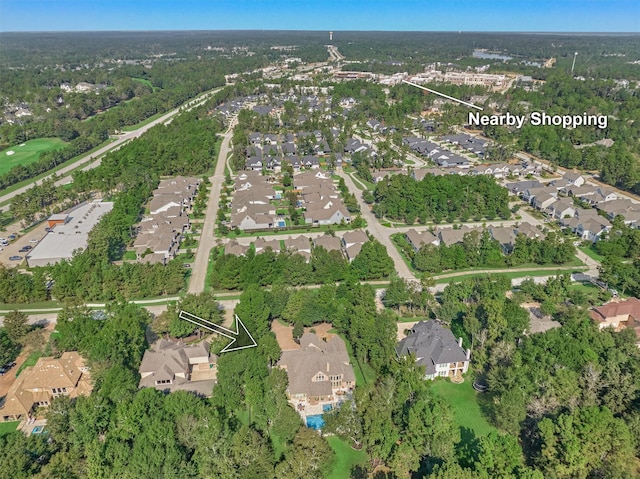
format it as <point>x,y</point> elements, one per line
<point>70,234</point>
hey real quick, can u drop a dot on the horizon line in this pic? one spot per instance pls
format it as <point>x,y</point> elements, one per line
<point>536,32</point>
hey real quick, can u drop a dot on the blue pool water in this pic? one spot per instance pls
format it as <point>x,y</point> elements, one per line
<point>37,430</point>
<point>327,407</point>
<point>315,422</point>
<point>281,224</point>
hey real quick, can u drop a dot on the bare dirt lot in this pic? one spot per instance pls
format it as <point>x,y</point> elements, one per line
<point>284,334</point>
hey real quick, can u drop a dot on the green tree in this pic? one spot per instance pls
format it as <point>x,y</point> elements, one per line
<point>309,456</point>
<point>16,326</point>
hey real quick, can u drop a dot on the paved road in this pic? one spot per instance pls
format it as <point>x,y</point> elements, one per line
<point>378,231</point>
<point>93,158</point>
<point>207,238</point>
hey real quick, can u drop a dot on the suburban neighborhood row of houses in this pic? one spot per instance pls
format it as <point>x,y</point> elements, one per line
<point>161,231</point>
<point>253,205</point>
<point>505,235</point>
<point>600,205</point>
<point>349,244</point>
<point>301,150</point>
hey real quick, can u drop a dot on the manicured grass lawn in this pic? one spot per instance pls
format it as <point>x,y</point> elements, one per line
<point>346,458</point>
<point>278,445</point>
<point>8,427</point>
<point>144,81</point>
<point>40,305</point>
<point>31,360</point>
<point>515,274</point>
<point>53,170</point>
<point>590,252</point>
<point>24,155</point>
<point>464,402</point>
<point>364,373</point>
<point>130,255</point>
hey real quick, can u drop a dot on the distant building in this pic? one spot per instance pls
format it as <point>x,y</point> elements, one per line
<point>70,234</point>
<point>435,348</point>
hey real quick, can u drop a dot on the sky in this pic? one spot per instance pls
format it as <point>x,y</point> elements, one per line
<point>389,15</point>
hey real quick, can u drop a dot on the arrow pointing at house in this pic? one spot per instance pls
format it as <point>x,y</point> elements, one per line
<point>240,338</point>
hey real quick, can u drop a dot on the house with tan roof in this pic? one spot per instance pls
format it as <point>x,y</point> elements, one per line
<point>262,244</point>
<point>320,374</point>
<point>174,366</point>
<point>328,242</point>
<point>331,215</point>
<point>618,315</point>
<point>37,386</point>
<point>417,239</point>
<point>235,249</point>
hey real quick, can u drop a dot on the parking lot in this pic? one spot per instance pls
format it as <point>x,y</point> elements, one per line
<point>13,249</point>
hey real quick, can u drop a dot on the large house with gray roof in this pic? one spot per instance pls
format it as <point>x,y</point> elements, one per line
<point>435,348</point>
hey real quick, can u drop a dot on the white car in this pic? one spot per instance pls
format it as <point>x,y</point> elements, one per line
<point>34,240</point>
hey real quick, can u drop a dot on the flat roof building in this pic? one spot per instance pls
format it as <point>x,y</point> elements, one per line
<point>70,236</point>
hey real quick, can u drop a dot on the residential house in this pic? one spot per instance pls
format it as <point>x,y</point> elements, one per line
<point>618,315</point>
<point>298,245</point>
<point>174,366</point>
<point>417,239</point>
<point>235,249</point>
<point>562,208</point>
<point>38,385</point>
<point>544,199</point>
<point>352,242</point>
<point>436,349</point>
<point>451,236</point>
<point>505,236</point>
<point>331,215</point>
<point>592,228</point>
<point>262,244</point>
<point>328,242</point>
<point>320,374</point>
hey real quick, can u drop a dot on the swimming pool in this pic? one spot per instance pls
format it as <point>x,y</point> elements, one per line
<point>326,407</point>
<point>37,430</point>
<point>315,421</point>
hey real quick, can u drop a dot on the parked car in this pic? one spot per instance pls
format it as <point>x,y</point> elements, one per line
<point>186,265</point>
<point>6,368</point>
<point>15,258</point>
<point>34,240</point>
<point>25,249</point>
<point>12,237</point>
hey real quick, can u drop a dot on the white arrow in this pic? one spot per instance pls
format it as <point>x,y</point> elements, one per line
<point>241,331</point>
<point>441,94</point>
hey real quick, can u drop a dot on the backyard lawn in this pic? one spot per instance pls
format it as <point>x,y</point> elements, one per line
<point>8,427</point>
<point>24,155</point>
<point>346,458</point>
<point>464,402</point>
<point>31,360</point>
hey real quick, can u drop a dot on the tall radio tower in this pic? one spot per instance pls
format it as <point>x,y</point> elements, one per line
<point>574,62</point>
<point>330,36</point>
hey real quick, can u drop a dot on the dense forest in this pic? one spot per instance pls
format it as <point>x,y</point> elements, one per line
<point>236,272</point>
<point>479,249</point>
<point>438,198</point>
<point>550,396</point>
